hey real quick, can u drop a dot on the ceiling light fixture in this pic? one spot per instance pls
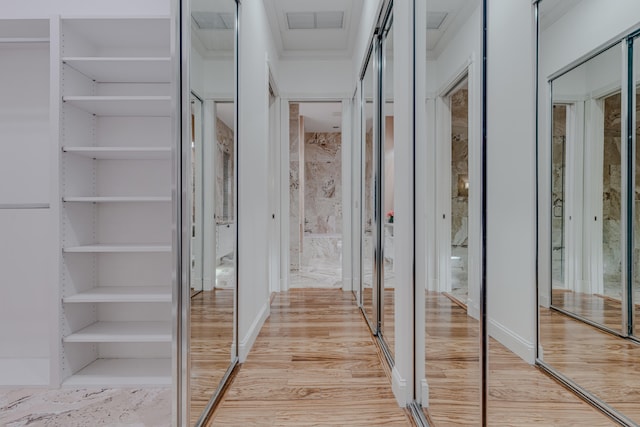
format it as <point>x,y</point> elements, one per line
<point>214,20</point>
<point>315,20</point>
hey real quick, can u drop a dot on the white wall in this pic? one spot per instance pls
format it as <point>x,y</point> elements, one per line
<point>218,78</point>
<point>404,235</point>
<point>255,49</point>
<point>196,72</point>
<point>511,176</point>
<point>316,78</point>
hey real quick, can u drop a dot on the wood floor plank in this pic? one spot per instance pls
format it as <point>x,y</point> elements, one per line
<point>211,341</point>
<point>313,364</point>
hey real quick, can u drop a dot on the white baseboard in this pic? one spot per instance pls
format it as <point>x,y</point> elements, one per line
<point>24,372</point>
<point>208,284</point>
<point>399,387</point>
<point>473,309</point>
<point>346,284</point>
<point>514,342</point>
<point>543,300</point>
<point>424,398</point>
<point>247,342</point>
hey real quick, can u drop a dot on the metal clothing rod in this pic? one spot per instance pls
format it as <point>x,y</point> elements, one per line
<point>24,206</point>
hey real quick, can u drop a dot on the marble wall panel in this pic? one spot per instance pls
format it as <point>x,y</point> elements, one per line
<point>611,190</point>
<point>459,167</point>
<point>323,183</point>
<point>294,187</point>
<point>368,182</point>
<point>558,192</point>
<point>224,173</point>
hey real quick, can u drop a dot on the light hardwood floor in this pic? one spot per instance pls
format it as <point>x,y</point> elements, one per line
<point>597,308</point>
<point>605,365</point>
<point>211,340</point>
<point>314,363</point>
<point>519,394</point>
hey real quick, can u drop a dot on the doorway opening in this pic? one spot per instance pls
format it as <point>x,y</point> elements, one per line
<point>315,186</point>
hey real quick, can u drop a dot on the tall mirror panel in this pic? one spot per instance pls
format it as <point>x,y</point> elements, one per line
<point>587,183</point>
<point>212,351</point>
<point>356,191</point>
<point>451,388</point>
<point>587,175</point>
<point>368,196</point>
<point>388,192</point>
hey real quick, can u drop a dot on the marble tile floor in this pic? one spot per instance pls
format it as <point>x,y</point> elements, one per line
<point>86,407</point>
<point>319,274</point>
<point>225,273</point>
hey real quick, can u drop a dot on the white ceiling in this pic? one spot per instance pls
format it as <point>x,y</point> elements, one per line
<point>212,42</point>
<point>457,13</point>
<point>322,116</point>
<point>314,42</point>
<point>552,10</point>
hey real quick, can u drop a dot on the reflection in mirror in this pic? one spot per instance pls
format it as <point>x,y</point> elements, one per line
<point>587,104</point>
<point>459,169</point>
<point>197,223</point>
<point>452,363</point>
<point>356,191</point>
<point>586,182</point>
<point>212,71</point>
<point>368,188</point>
<point>388,191</point>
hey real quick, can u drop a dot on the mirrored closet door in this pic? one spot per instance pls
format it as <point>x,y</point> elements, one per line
<point>449,341</point>
<point>368,237</point>
<point>212,351</point>
<point>377,185</point>
<point>587,100</point>
<point>387,176</point>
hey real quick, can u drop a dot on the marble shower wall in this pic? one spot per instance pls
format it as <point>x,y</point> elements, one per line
<point>558,189</point>
<point>611,190</point>
<point>323,183</point>
<point>294,187</point>
<point>460,189</point>
<point>368,182</point>
<point>225,154</point>
<point>459,168</point>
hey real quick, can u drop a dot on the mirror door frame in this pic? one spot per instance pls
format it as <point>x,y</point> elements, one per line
<point>181,240</point>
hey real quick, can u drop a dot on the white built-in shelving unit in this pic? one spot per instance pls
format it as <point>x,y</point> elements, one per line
<point>115,187</point>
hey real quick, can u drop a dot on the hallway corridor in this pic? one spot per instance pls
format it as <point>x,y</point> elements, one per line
<point>314,363</point>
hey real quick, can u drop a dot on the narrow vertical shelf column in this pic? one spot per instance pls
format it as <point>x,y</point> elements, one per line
<point>115,186</point>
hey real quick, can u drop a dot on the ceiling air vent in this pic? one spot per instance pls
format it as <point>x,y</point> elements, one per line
<point>435,20</point>
<point>315,20</point>
<point>214,20</point>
